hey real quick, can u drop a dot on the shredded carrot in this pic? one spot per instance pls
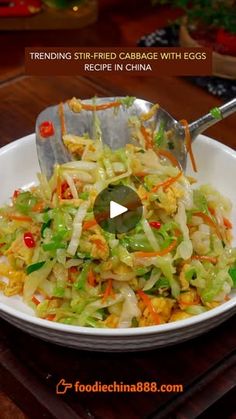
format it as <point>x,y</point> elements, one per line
<point>100,107</point>
<point>140,174</point>
<point>89,224</point>
<point>23,218</point>
<point>188,142</point>
<point>108,291</point>
<point>62,118</point>
<point>159,253</point>
<point>177,232</point>
<point>99,243</point>
<point>91,278</point>
<point>205,258</point>
<point>212,211</point>
<point>208,221</point>
<point>167,183</point>
<point>147,137</point>
<point>165,153</point>
<point>50,317</point>
<point>148,303</point>
<point>227,223</point>
<point>35,300</point>
<point>38,207</point>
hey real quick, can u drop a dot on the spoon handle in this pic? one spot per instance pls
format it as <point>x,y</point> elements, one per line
<point>206,121</point>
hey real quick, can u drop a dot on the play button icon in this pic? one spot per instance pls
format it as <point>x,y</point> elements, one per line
<point>117,209</point>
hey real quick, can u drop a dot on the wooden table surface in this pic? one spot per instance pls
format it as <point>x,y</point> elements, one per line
<point>30,368</point>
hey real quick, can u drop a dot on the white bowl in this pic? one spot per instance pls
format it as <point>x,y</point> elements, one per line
<point>18,168</point>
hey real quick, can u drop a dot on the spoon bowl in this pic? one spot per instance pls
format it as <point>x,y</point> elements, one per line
<point>115,128</point>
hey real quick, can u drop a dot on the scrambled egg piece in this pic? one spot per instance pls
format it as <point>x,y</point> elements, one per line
<point>148,115</point>
<point>15,278</point>
<point>179,315</point>
<point>213,304</point>
<point>183,281</point>
<point>122,268</point>
<point>142,193</point>
<point>75,105</point>
<point>168,199</point>
<point>106,266</point>
<point>20,251</point>
<point>76,144</point>
<point>74,148</point>
<point>111,321</point>
<point>134,284</point>
<point>188,298</point>
<point>162,306</point>
<point>100,249</point>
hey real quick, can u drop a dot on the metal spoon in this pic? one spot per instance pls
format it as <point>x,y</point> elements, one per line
<point>115,128</point>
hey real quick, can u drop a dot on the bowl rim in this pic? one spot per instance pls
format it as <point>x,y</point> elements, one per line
<point>122,332</point>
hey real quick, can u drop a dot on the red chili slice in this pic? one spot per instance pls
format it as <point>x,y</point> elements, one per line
<point>46,129</point>
<point>65,191</point>
<point>155,224</point>
<point>16,193</point>
<point>29,240</point>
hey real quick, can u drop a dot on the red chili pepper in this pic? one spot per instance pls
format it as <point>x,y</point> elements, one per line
<point>155,224</point>
<point>35,300</point>
<point>65,191</point>
<point>46,129</point>
<point>73,269</point>
<point>29,240</point>
<point>16,193</point>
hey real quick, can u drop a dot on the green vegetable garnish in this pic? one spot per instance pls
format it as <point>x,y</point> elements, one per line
<point>128,101</point>
<point>232,272</point>
<point>84,195</point>
<point>44,226</point>
<point>159,135</point>
<point>81,281</point>
<point>25,201</point>
<point>34,267</point>
<point>216,113</point>
<point>161,283</point>
<point>59,292</point>
<point>56,242</point>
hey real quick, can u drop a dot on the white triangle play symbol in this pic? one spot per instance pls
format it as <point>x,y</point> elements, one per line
<point>116,209</point>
